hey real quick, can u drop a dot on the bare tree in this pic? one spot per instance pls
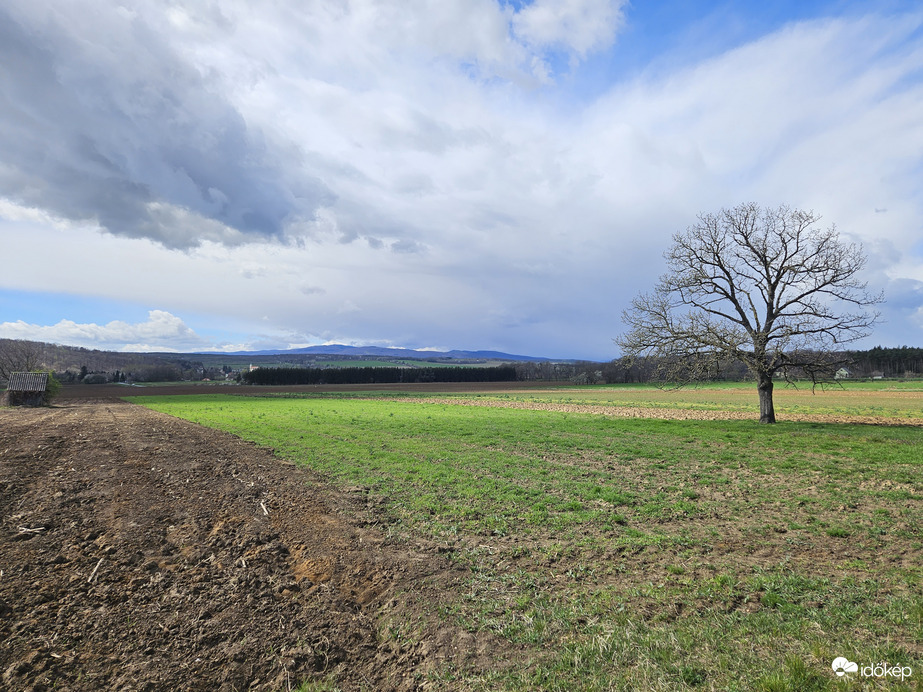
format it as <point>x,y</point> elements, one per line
<point>18,356</point>
<point>766,287</point>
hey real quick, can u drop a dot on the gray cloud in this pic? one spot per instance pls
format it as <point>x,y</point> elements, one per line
<point>184,123</point>
<point>407,246</point>
<point>116,127</point>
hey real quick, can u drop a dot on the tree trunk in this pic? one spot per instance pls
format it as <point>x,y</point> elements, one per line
<point>767,410</point>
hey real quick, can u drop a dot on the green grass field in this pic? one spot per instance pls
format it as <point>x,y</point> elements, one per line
<point>639,554</point>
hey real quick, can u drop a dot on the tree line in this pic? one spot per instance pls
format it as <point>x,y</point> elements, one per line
<point>76,365</point>
<point>377,375</point>
<point>904,361</point>
<point>884,362</point>
<point>83,366</point>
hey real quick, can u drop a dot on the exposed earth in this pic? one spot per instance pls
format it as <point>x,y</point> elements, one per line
<point>676,413</point>
<point>141,552</point>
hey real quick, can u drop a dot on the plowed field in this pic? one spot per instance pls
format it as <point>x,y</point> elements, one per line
<point>140,552</point>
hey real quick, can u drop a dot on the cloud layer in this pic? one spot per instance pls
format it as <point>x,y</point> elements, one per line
<point>186,123</point>
<point>422,174</point>
<point>161,332</point>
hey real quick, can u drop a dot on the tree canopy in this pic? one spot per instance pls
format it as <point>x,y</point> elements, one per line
<point>766,287</point>
<point>18,356</point>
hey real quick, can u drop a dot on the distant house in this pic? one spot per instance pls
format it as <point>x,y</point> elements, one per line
<point>26,389</point>
<point>842,374</point>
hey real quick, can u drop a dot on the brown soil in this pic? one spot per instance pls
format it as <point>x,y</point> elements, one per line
<point>111,391</point>
<point>140,552</point>
<point>673,413</point>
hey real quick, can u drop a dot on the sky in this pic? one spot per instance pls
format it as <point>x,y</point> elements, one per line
<point>439,174</point>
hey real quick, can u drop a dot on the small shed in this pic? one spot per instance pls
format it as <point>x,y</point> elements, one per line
<point>26,389</point>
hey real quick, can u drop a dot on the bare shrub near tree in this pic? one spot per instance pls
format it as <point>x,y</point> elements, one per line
<point>766,287</point>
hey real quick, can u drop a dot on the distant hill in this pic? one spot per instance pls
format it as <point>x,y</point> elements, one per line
<point>88,366</point>
<point>379,351</point>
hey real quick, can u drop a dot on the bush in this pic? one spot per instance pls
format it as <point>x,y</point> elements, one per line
<point>52,389</point>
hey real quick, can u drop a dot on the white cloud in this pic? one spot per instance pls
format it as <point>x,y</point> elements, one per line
<point>579,26</point>
<point>161,332</point>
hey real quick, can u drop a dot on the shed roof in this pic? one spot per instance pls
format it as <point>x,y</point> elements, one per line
<point>28,382</point>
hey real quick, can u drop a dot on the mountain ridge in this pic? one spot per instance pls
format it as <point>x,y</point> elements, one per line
<point>344,350</point>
